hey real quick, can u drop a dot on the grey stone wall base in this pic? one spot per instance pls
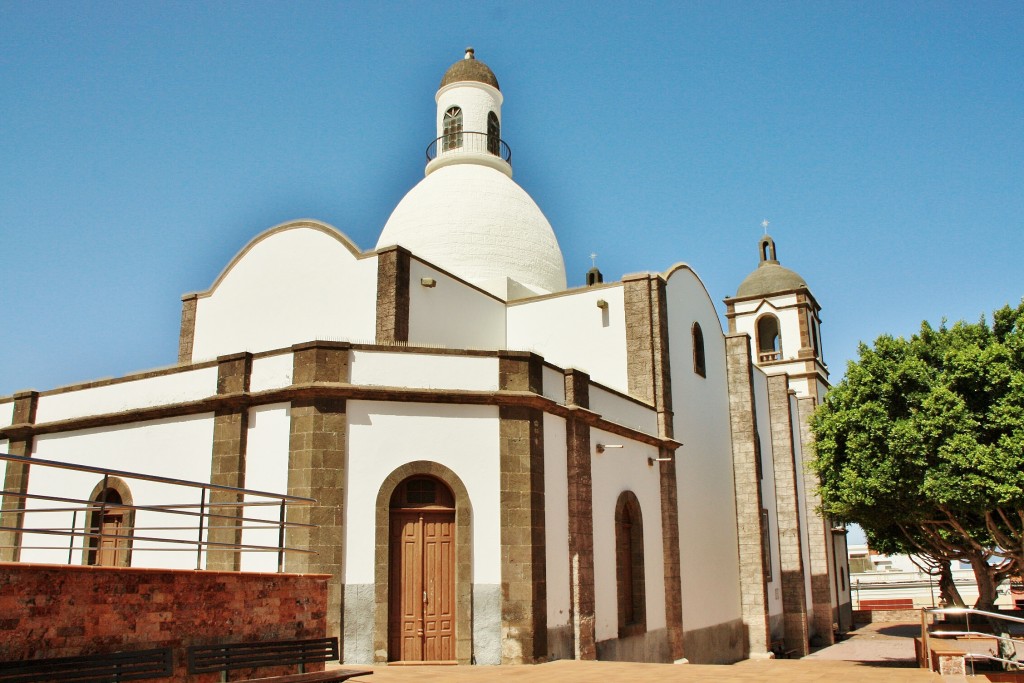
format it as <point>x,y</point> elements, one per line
<point>560,645</point>
<point>486,623</point>
<point>357,645</point>
<point>723,643</point>
<point>652,646</point>
<point>777,626</point>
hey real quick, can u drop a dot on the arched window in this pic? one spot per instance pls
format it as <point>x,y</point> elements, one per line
<point>769,341</point>
<point>110,524</point>
<point>453,128</point>
<point>698,350</point>
<point>493,134</point>
<point>629,565</point>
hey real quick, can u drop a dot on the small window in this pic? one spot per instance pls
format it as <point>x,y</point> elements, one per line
<point>629,565</point>
<point>842,578</point>
<point>699,366</point>
<point>493,134</point>
<point>766,545</point>
<point>452,129</point>
<point>769,340</point>
<point>814,336</point>
<point>422,492</point>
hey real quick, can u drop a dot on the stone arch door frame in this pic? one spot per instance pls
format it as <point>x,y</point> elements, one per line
<point>463,557</point>
<point>124,556</point>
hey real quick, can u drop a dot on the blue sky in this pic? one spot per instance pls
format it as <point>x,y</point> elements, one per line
<point>143,144</point>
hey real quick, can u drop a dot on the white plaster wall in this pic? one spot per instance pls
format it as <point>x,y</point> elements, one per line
<point>612,472</point>
<point>6,413</point>
<point>800,386</point>
<point>292,285</point>
<point>768,499</point>
<point>623,411</point>
<point>424,371</point>
<point>801,494</point>
<point>271,372</point>
<point>556,522</point>
<point>451,313</point>
<point>709,561</point>
<point>266,469</point>
<point>554,384</point>
<point>177,387</point>
<point>753,304</point>
<point>383,436</point>
<point>172,447</point>
<point>572,332</point>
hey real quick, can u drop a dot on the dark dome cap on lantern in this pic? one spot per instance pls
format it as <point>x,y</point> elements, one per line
<point>469,69</point>
<point>769,277</point>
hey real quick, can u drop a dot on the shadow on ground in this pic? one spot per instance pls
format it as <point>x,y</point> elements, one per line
<point>901,630</point>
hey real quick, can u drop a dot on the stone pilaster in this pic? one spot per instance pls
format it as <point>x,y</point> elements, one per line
<point>787,504</point>
<point>317,458</point>
<point>818,534</point>
<point>648,374</point>
<point>188,327</point>
<point>581,517</point>
<point>16,477</point>
<point>649,378</point>
<point>670,543</point>
<point>393,296</point>
<point>523,569</point>
<point>227,468</point>
<point>746,455</point>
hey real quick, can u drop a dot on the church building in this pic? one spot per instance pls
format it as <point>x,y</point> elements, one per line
<point>506,470</point>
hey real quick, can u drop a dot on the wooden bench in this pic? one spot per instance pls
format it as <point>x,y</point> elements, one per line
<point>231,656</point>
<point>102,668</point>
<point>891,603</point>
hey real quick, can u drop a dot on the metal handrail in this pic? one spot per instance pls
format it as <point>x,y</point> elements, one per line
<point>469,142</point>
<point>208,515</point>
<point>926,635</point>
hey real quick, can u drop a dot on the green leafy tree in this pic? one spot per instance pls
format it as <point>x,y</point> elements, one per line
<point>922,444</point>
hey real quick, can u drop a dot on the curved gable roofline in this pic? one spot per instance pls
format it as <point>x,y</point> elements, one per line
<point>682,265</point>
<point>325,228</point>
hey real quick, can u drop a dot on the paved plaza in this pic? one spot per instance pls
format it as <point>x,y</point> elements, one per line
<point>879,653</point>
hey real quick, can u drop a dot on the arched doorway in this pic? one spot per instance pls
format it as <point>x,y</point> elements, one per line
<point>421,610</point>
<point>110,525</point>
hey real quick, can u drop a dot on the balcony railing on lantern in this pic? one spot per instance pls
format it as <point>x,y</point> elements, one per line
<point>767,356</point>
<point>469,143</point>
<point>133,519</point>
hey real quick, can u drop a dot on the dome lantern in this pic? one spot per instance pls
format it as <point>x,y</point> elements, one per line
<point>469,118</point>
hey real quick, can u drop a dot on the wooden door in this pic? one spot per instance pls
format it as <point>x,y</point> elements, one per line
<point>422,610</point>
<point>111,543</point>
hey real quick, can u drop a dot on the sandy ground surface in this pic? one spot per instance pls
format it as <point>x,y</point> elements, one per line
<point>880,653</point>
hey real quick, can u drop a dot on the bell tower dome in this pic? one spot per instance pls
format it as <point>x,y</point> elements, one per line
<point>775,307</point>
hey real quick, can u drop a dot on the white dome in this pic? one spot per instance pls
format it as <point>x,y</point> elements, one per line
<point>475,222</point>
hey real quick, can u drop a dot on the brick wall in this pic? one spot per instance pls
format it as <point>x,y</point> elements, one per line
<point>63,611</point>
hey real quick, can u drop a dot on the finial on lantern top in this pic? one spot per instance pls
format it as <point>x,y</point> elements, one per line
<point>470,53</point>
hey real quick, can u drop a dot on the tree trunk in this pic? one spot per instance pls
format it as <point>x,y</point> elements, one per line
<point>949,596</point>
<point>984,575</point>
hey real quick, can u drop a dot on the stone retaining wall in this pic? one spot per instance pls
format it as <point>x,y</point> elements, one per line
<point>64,611</point>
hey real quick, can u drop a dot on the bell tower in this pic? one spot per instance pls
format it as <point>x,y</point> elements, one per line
<point>776,308</point>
